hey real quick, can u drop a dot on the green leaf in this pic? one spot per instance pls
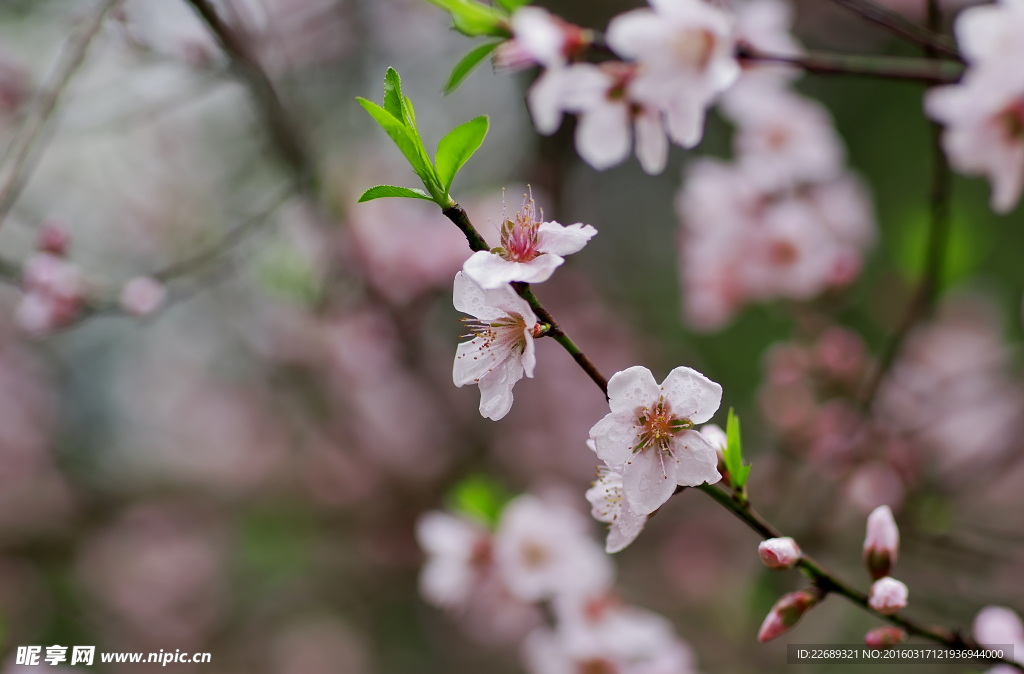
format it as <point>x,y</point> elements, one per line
<point>474,18</point>
<point>479,497</point>
<point>382,191</point>
<point>468,64</point>
<point>734,453</point>
<point>457,147</point>
<point>393,94</point>
<point>403,137</point>
<point>513,5</point>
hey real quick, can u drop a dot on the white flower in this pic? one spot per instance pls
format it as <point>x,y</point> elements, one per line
<point>543,550</point>
<point>887,595</point>
<point>984,133</point>
<point>457,551</point>
<point>882,542</point>
<point>539,37</point>
<point>649,433</point>
<point>984,113</point>
<point>608,504</point>
<point>530,250</point>
<point>628,641</point>
<point>502,348</point>
<point>685,52</point>
<point>609,115</point>
<point>779,553</point>
<point>142,296</point>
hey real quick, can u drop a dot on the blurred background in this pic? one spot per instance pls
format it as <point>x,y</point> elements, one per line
<point>240,471</point>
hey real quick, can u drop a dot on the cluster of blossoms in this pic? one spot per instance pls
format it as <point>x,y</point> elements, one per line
<point>785,219</point>
<point>984,113</point>
<point>504,325</point>
<point>950,374</point>
<point>54,286</point>
<point>679,59</point>
<point>541,554</point>
<point>56,290</point>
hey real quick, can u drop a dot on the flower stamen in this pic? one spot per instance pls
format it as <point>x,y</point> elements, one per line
<point>658,426</point>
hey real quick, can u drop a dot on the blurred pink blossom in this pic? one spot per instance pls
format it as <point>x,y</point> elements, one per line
<point>685,53</point>
<point>142,296</point>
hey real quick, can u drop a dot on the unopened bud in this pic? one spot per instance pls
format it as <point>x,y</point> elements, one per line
<point>887,596</point>
<point>53,237</point>
<point>779,553</point>
<point>882,542</point>
<point>885,636</point>
<point>717,438</point>
<point>786,612</point>
<point>142,296</point>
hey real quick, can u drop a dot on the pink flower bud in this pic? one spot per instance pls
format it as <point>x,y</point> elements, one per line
<point>142,296</point>
<point>53,237</point>
<point>887,596</point>
<point>882,542</point>
<point>779,553</point>
<point>786,612</point>
<point>885,636</point>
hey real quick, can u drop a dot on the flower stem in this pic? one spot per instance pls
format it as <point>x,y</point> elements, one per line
<point>829,582</point>
<point>559,336</point>
<point>889,67</point>
<point>458,215</point>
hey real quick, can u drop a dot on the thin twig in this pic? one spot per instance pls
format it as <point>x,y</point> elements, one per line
<point>929,38</point>
<point>283,132</point>
<point>923,300</point>
<point>886,67</point>
<point>829,582</point>
<point>17,170</point>
<point>229,241</point>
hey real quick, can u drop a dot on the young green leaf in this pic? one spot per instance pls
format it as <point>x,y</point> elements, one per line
<point>393,94</point>
<point>734,453</point>
<point>513,5</point>
<point>473,18</point>
<point>457,147</point>
<point>399,133</point>
<point>480,497</point>
<point>468,64</point>
<point>382,191</point>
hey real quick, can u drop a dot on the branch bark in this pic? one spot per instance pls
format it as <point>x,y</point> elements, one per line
<point>829,582</point>
<point>17,170</point>
<point>886,67</point>
<point>929,38</point>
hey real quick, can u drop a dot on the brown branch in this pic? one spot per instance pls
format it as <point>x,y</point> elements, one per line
<point>17,170</point>
<point>283,132</point>
<point>829,582</point>
<point>887,67</point>
<point>929,38</point>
